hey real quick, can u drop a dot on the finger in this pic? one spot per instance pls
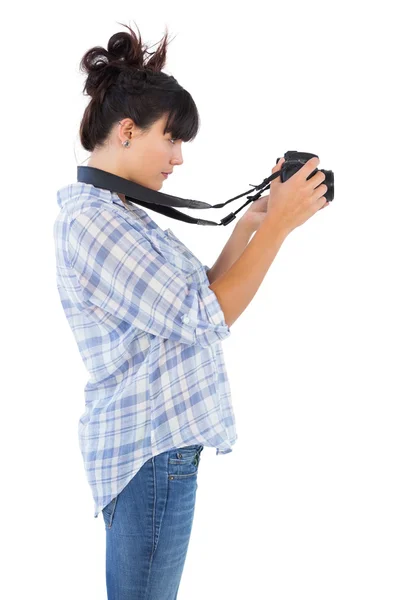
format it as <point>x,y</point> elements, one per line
<point>316,180</point>
<point>325,205</point>
<point>307,168</point>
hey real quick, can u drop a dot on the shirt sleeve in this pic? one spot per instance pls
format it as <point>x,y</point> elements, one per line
<point>121,272</point>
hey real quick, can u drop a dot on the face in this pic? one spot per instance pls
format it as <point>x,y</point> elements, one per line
<point>149,154</point>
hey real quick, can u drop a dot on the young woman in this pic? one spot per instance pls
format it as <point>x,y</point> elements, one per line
<point>149,318</point>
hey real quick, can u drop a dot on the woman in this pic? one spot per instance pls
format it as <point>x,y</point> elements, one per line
<point>146,320</point>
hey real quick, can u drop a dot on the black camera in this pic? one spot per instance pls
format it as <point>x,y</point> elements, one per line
<point>295,160</point>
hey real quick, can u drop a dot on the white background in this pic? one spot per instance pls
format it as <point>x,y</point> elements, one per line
<point>307,504</point>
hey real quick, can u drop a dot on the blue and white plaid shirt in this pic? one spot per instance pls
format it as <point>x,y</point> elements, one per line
<point>149,331</point>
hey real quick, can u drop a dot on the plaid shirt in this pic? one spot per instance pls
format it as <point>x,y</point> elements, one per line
<point>149,331</point>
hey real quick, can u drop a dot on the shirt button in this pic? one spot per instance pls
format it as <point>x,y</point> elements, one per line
<point>185,319</point>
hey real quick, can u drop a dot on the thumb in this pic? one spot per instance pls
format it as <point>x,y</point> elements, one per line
<point>276,168</point>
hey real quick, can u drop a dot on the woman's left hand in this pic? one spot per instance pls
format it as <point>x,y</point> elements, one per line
<point>255,214</point>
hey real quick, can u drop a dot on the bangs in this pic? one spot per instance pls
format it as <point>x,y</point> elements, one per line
<point>183,119</point>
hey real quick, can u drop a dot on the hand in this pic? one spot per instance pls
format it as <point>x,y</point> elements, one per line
<point>297,199</point>
<point>255,214</point>
<point>257,210</point>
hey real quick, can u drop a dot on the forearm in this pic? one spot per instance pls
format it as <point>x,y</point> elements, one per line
<point>238,285</point>
<point>232,250</point>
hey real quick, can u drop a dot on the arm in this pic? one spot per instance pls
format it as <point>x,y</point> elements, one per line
<point>122,274</point>
<point>236,287</point>
<point>232,250</point>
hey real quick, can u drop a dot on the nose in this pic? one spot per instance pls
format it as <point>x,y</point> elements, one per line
<point>177,158</point>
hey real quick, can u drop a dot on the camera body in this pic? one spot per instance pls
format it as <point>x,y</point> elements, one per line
<point>295,160</point>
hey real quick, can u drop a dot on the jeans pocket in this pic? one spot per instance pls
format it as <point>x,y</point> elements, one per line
<point>184,462</point>
<point>108,512</point>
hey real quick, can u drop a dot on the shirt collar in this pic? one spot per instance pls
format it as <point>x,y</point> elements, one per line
<point>78,190</point>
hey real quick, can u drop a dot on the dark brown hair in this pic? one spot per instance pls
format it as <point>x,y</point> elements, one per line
<point>123,84</point>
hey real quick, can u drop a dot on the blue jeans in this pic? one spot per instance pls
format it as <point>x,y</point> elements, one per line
<point>148,526</point>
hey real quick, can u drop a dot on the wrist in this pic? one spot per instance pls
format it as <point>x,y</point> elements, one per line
<point>244,228</point>
<point>274,228</point>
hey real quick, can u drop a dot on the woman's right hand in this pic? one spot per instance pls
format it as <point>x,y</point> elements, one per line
<point>294,201</point>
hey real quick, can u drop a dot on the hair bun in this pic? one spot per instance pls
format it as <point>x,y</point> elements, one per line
<point>122,61</point>
<point>99,74</point>
<point>120,48</point>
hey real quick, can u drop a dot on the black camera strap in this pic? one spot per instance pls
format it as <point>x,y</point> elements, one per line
<point>160,202</point>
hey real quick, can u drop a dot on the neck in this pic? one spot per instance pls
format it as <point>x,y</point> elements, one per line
<point>99,162</point>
